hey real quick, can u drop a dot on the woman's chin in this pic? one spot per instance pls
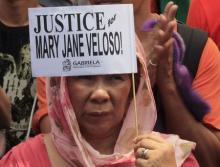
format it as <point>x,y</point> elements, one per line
<point>98,130</point>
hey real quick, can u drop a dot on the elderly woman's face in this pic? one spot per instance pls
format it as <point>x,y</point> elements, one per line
<point>99,102</point>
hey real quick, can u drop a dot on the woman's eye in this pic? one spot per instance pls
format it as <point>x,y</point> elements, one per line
<point>84,78</point>
<point>117,77</point>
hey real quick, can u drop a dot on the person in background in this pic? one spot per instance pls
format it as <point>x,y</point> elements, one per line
<point>15,72</point>
<point>41,122</point>
<point>204,14</point>
<point>177,118</point>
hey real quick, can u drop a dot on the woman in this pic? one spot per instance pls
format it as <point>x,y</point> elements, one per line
<point>93,125</point>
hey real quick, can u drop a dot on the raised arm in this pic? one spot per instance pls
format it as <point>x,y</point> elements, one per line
<point>178,118</point>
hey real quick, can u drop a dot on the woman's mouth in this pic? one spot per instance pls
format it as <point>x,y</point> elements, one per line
<point>98,114</point>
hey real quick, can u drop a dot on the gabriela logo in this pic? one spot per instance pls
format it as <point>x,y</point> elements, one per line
<point>85,64</point>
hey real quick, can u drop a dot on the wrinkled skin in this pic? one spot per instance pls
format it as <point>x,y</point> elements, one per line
<point>99,104</point>
<point>160,154</point>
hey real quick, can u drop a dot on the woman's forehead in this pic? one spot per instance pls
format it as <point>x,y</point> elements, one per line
<point>101,76</point>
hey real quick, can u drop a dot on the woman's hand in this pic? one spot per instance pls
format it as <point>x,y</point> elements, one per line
<point>152,150</point>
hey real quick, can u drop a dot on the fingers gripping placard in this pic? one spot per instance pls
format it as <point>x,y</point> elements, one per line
<point>82,40</point>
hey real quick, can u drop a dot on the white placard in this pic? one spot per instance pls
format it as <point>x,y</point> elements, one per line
<point>82,40</point>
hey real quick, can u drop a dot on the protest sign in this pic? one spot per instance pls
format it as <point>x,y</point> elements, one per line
<point>82,40</point>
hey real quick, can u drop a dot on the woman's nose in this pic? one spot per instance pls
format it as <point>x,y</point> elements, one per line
<point>99,95</point>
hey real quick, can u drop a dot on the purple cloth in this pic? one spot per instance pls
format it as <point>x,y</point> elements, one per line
<point>194,102</point>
